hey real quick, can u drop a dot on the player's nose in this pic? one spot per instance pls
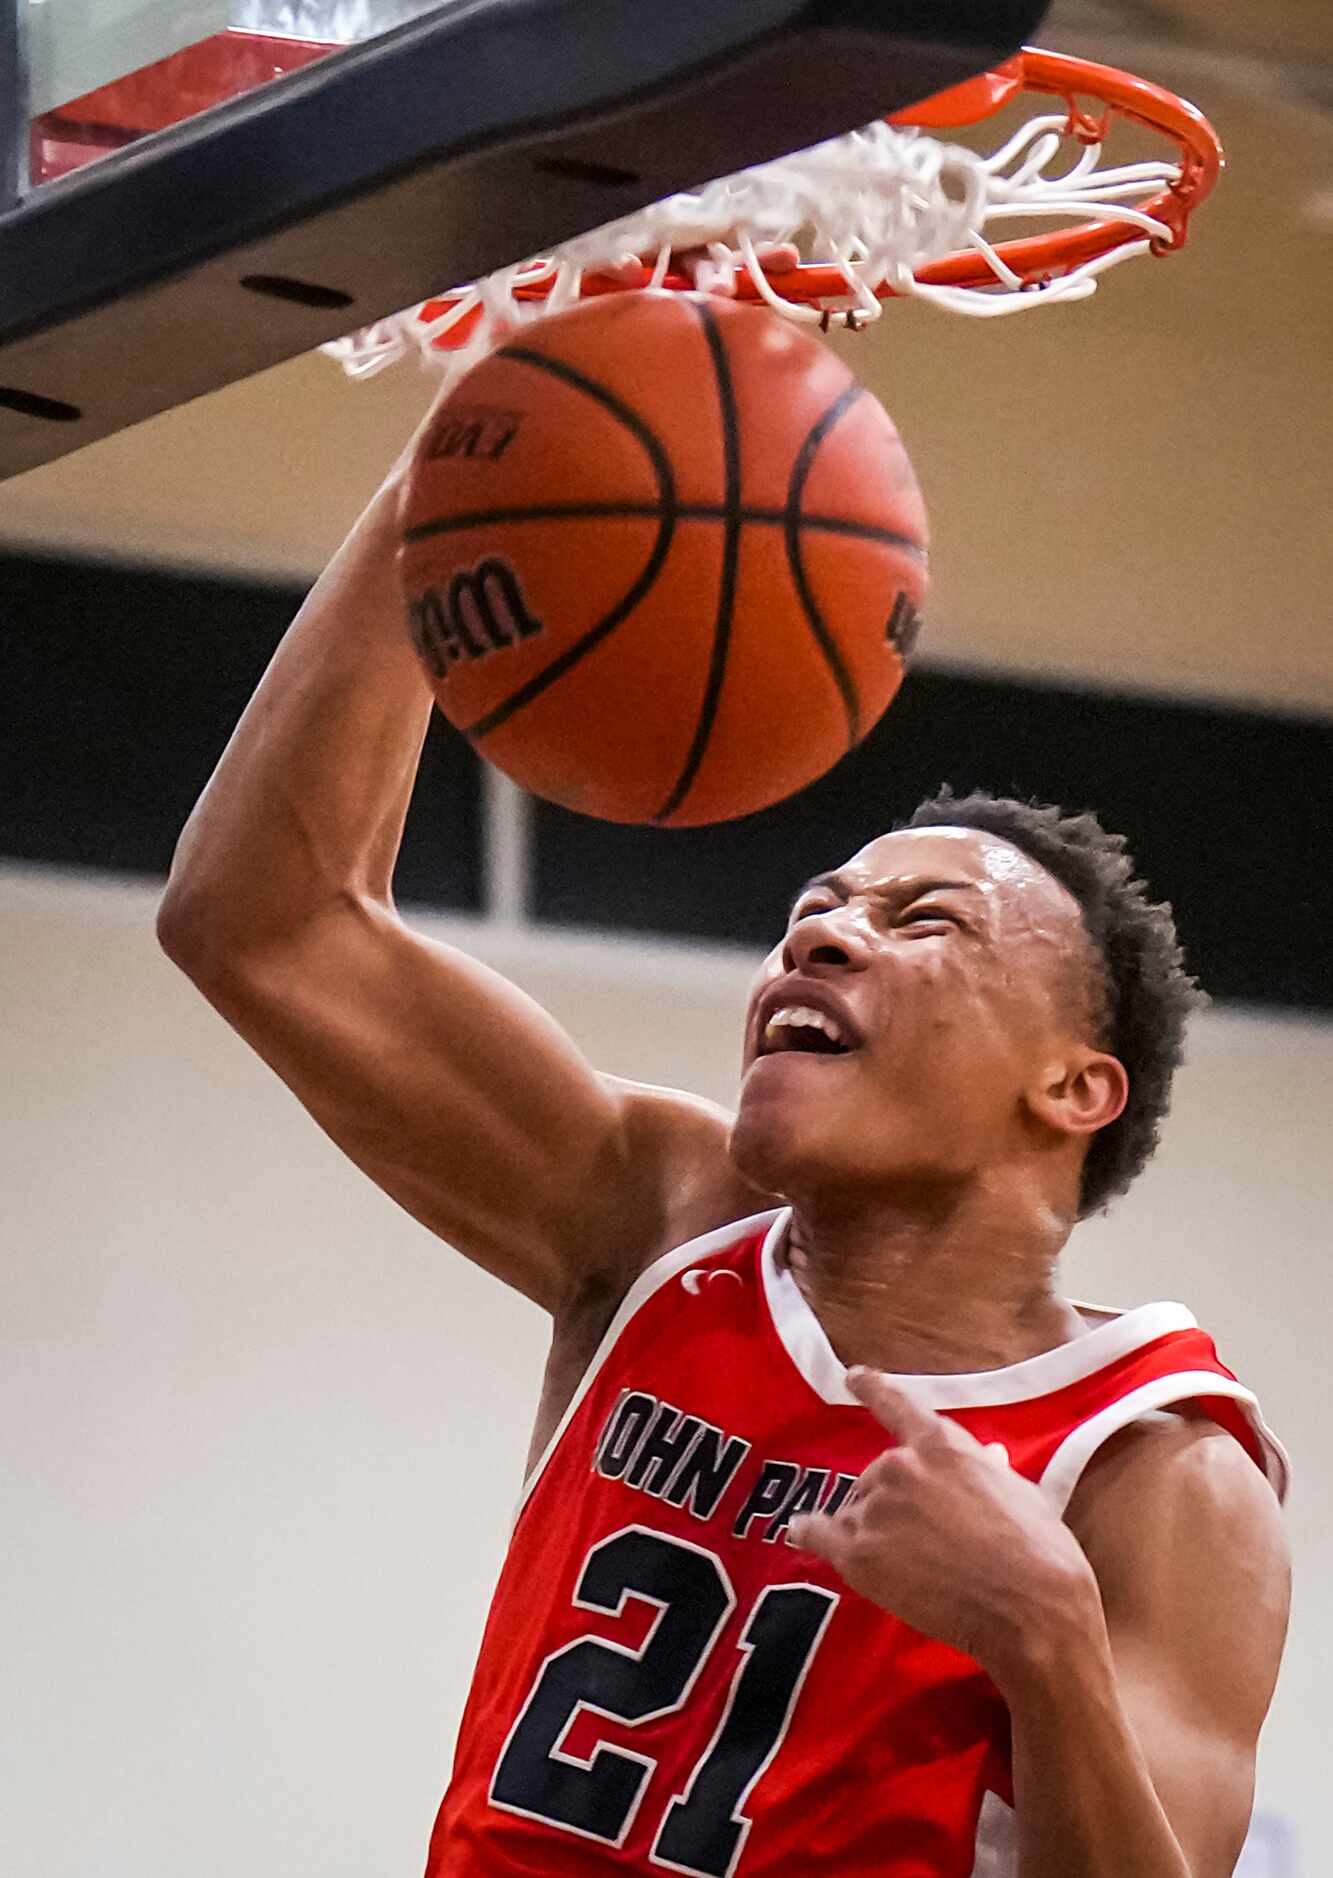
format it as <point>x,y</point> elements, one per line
<point>831,939</point>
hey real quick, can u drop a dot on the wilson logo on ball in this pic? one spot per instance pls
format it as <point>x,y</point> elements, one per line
<point>483,610</point>
<point>480,431</point>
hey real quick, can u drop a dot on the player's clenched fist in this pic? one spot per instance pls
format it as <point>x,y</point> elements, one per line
<point>942,1533</point>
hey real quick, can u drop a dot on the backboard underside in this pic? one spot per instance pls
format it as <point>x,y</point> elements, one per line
<point>259,177</point>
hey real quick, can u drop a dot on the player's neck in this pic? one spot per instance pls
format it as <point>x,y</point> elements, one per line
<point>939,1286</point>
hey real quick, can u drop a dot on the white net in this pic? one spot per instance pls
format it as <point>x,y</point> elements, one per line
<point>879,205</point>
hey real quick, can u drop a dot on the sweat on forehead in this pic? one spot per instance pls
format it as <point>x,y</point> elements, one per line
<point>969,855</point>
<point>1027,902</point>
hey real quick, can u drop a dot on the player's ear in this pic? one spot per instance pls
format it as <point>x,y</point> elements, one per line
<point>1079,1093</point>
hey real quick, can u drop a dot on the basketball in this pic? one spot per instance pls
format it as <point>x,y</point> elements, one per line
<point>663,558</point>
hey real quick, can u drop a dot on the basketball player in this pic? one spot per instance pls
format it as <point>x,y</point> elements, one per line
<point>850,1546</point>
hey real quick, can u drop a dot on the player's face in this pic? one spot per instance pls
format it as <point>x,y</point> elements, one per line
<point>920,994</point>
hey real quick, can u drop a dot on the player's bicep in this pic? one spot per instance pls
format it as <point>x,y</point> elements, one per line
<point>451,1089</point>
<point>1200,1761</point>
<point>1191,1558</point>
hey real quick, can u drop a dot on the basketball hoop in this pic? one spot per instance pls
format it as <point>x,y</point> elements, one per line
<point>887,211</point>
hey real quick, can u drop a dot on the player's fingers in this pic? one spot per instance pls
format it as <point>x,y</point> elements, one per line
<point>700,265</point>
<point>819,1534</point>
<point>781,258</point>
<point>633,269</point>
<point>714,273</point>
<point>626,273</point>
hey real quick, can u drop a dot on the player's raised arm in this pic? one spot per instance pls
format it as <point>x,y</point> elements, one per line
<point>453,1090</point>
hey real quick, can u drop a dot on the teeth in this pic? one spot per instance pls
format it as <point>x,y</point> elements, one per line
<point>795,1016</point>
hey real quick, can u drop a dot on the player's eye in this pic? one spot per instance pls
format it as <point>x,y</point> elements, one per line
<point>805,908</point>
<point>915,915</point>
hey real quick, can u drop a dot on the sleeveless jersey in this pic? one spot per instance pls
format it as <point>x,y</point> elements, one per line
<point>667,1685</point>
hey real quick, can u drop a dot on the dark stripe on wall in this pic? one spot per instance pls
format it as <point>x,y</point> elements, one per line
<point>1229,814</point>
<point>119,688</point>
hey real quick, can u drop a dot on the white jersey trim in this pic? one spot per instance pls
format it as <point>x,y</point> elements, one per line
<point>1065,1468</point>
<point>803,1337</point>
<point>810,1351</point>
<point>649,1280</point>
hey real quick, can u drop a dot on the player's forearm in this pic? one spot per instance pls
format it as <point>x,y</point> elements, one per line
<point>307,803</point>
<point>1084,1801</point>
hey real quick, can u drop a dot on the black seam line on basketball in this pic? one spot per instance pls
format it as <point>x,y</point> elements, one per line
<point>726,595</point>
<point>795,521</point>
<point>649,511</point>
<point>664,509</point>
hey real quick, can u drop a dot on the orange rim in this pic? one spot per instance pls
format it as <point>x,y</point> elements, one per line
<point>1034,259</point>
<point>1043,257</point>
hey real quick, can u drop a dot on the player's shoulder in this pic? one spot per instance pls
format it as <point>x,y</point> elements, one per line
<point>652,1106</point>
<point>687,1186</point>
<point>1170,1476</point>
<point>695,1186</point>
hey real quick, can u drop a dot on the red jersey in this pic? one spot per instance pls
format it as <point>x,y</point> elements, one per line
<point>667,1685</point>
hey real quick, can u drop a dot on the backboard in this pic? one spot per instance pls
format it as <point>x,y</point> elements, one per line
<point>194,190</point>
<point>102,74</point>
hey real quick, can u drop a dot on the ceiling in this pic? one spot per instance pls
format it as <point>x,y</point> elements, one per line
<point>1132,490</point>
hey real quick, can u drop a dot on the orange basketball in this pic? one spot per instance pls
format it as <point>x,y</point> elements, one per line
<point>663,558</point>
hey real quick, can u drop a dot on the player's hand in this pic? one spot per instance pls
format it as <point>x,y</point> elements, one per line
<point>703,269</point>
<point>942,1533</point>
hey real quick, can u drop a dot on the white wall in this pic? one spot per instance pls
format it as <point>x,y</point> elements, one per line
<point>262,1435</point>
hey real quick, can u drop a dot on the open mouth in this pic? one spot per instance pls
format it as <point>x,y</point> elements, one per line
<point>800,1027</point>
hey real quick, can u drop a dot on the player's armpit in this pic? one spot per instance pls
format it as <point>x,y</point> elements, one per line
<point>1186,1540</point>
<point>465,1101</point>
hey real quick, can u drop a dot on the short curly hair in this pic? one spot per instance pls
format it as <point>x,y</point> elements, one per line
<point>1143,994</point>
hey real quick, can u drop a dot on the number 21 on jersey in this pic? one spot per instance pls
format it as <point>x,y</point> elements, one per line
<point>703,1830</point>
